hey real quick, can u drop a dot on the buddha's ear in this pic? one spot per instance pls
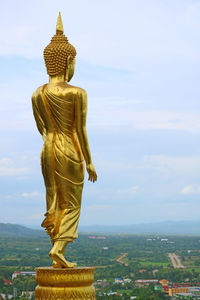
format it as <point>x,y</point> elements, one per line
<point>69,58</point>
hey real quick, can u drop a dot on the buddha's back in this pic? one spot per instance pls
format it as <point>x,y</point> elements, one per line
<point>54,107</point>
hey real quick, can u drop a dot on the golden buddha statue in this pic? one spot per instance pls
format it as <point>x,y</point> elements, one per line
<point>60,113</point>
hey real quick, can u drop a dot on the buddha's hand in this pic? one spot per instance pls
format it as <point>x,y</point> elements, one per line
<point>91,172</point>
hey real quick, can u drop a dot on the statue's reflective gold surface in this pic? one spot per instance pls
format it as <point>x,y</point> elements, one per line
<point>65,284</point>
<point>60,112</point>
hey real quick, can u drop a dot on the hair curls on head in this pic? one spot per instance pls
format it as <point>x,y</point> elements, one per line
<point>58,51</point>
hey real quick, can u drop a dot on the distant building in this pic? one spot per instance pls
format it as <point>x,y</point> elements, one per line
<point>118,280</point>
<point>164,282</point>
<point>127,280</point>
<point>15,274</point>
<point>99,282</point>
<point>114,293</point>
<point>158,288</point>
<point>191,292</point>
<point>184,296</point>
<point>23,273</point>
<point>195,290</point>
<point>3,296</point>
<point>142,271</point>
<point>27,294</point>
<point>143,282</point>
<point>173,291</point>
<point>7,282</point>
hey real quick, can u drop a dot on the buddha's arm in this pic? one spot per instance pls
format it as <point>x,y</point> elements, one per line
<point>38,119</point>
<point>80,119</point>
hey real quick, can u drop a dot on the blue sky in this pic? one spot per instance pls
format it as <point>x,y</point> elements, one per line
<point>139,62</point>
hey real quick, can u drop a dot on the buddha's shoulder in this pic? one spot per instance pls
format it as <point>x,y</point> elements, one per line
<point>37,92</point>
<point>60,90</point>
<point>74,90</point>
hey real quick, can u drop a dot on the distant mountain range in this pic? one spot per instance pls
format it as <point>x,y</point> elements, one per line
<point>165,228</point>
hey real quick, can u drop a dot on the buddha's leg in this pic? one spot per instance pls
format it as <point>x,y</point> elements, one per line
<point>68,212</point>
<point>51,188</point>
<point>57,254</point>
<point>55,264</point>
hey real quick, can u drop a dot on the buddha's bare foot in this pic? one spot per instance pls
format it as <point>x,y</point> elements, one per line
<point>71,265</point>
<point>60,260</point>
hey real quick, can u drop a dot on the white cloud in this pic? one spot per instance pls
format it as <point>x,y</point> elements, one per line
<point>32,194</point>
<point>182,165</point>
<point>131,191</point>
<point>9,168</point>
<point>191,189</point>
<point>5,161</point>
<point>116,115</point>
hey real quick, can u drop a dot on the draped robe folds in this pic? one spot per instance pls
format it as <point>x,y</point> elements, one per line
<point>61,160</point>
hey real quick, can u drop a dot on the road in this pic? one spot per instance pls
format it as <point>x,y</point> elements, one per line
<point>175,260</point>
<point>120,259</point>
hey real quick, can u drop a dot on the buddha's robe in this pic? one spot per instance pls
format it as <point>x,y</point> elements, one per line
<point>62,161</point>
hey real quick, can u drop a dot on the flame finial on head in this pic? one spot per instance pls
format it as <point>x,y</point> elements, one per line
<point>59,26</point>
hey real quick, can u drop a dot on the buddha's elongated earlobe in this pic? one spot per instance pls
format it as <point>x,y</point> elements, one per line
<point>69,60</point>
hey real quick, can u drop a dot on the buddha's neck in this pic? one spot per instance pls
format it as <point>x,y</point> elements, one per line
<point>57,79</point>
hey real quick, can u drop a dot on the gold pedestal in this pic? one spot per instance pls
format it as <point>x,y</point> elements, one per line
<point>65,284</point>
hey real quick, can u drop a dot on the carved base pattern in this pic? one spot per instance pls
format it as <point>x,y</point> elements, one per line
<point>65,284</point>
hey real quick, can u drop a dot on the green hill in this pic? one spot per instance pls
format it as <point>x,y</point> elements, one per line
<point>9,230</point>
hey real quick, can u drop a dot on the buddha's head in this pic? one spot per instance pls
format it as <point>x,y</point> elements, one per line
<point>59,55</point>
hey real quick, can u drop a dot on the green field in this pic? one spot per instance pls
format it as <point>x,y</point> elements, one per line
<point>146,259</point>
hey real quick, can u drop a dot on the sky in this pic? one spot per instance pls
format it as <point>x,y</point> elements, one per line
<point>139,62</point>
